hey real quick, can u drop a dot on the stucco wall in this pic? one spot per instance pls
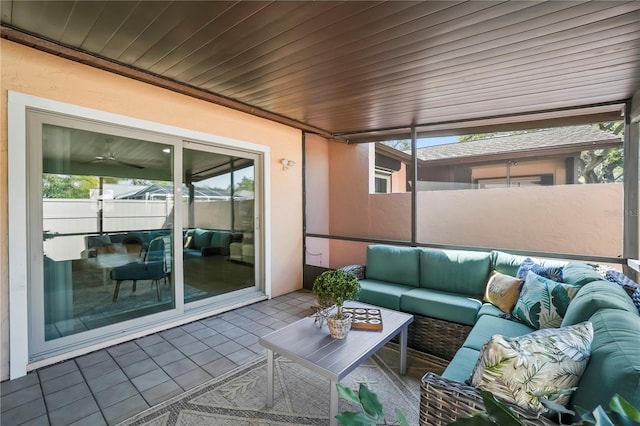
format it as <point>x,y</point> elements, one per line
<point>36,73</point>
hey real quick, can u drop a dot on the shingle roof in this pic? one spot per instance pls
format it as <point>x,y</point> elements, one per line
<point>530,141</point>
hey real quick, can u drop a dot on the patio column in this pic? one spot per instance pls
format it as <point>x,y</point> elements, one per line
<point>631,215</point>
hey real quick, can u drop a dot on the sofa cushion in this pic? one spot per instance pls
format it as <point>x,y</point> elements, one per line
<point>220,239</point>
<point>456,271</point>
<point>515,368</point>
<point>382,293</point>
<point>487,326</point>
<point>543,302</point>
<point>595,296</point>
<point>614,366</point>
<point>441,305</point>
<point>488,309</point>
<point>509,264</point>
<point>577,273</point>
<point>201,238</point>
<point>631,287</point>
<point>461,366</point>
<point>393,264</point>
<point>502,290</point>
<point>552,272</point>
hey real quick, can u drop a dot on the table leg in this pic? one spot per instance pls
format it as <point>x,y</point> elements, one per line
<point>403,350</point>
<point>333,405</point>
<point>269,378</point>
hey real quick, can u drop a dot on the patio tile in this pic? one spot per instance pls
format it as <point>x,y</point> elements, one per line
<point>108,380</point>
<point>11,386</point>
<point>159,348</point>
<point>115,394</point>
<point>205,357</point>
<point>215,341</point>
<point>40,421</point>
<point>204,333</point>
<point>150,379</point>
<point>247,339</point>
<point>100,368</point>
<point>192,326</point>
<point>20,397</point>
<point>168,357</point>
<point>93,358</point>
<point>24,413</point>
<point>242,356</point>
<point>147,341</point>
<point>140,368</point>
<point>193,348</point>
<point>219,367</point>
<point>179,367</point>
<point>185,339</point>
<point>172,333</point>
<point>67,396</point>
<point>125,409</point>
<point>192,378</point>
<point>74,412</point>
<point>122,349</point>
<point>95,419</point>
<point>61,382</point>
<point>161,392</point>
<point>132,357</point>
<point>233,333</point>
<point>258,349</point>
<point>228,347</point>
<point>57,370</point>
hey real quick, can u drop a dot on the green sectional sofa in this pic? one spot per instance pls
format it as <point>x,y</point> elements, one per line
<point>444,290</point>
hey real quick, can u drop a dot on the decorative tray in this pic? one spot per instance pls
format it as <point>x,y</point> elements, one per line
<point>365,318</point>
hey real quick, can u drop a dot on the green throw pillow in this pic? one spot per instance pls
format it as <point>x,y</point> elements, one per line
<point>549,360</point>
<point>543,302</point>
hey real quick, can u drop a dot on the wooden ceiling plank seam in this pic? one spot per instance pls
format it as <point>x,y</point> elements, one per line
<point>310,51</point>
<point>106,26</point>
<point>400,105</point>
<point>21,37</point>
<point>517,57</point>
<point>231,17</point>
<point>82,18</point>
<point>312,56</point>
<point>6,11</point>
<point>157,28</point>
<point>176,53</point>
<point>274,39</point>
<point>389,47</point>
<point>436,115</point>
<point>489,84</point>
<point>133,27</point>
<point>254,38</point>
<point>282,60</point>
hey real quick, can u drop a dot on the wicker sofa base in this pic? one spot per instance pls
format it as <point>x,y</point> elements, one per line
<point>437,337</point>
<point>442,401</point>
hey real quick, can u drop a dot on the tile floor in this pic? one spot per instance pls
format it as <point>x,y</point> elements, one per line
<point>112,384</point>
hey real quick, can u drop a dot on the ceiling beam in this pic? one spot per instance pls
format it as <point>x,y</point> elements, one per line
<point>66,52</point>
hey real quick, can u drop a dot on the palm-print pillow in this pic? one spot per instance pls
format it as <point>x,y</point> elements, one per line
<point>542,302</point>
<point>551,272</point>
<point>549,360</point>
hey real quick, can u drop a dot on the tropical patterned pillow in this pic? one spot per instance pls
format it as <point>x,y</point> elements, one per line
<point>549,360</point>
<point>552,272</point>
<point>542,302</point>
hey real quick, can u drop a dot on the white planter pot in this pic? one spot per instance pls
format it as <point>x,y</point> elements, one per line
<point>338,328</point>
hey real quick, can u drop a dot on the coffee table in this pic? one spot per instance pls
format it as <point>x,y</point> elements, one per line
<point>304,343</point>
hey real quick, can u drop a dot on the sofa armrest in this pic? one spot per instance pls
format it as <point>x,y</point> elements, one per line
<point>442,401</point>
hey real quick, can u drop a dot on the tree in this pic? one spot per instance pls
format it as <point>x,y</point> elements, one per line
<point>67,186</point>
<point>246,184</point>
<point>400,145</point>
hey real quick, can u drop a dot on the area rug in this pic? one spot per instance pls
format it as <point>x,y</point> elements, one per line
<point>301,396</point>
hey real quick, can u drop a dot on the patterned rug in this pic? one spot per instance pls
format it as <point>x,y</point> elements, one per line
<point>301,396</point>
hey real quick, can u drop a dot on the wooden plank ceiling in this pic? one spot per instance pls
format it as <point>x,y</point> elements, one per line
<point>359,66</point>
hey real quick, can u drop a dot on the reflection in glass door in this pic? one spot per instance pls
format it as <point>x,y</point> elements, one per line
<point>218,224</point>
<point>107,205</point>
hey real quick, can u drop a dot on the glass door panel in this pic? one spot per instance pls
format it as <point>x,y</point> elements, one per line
<point>218,203</point>
<point>107,204</point>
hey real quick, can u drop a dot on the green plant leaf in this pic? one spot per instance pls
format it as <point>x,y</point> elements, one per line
<point>497,411</point>
<point>401,418</point>
<point>556,408</point>
<point>586,416</point>
<point>348,394</point>
<point>370,402</point>
<point>602,419</point>
<point>349,418</point>
<point>620,405</point>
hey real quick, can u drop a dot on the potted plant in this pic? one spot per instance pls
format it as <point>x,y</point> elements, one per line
<point>334,287</point>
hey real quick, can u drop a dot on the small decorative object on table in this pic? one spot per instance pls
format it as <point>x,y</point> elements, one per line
<point>334,287</point>
<point>365,318</point>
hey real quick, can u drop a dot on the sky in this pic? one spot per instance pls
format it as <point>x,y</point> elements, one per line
<point>436,141</point>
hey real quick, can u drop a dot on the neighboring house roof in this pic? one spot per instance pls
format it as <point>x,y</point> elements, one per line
<point>159,191</point>
<point>537,142</point>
